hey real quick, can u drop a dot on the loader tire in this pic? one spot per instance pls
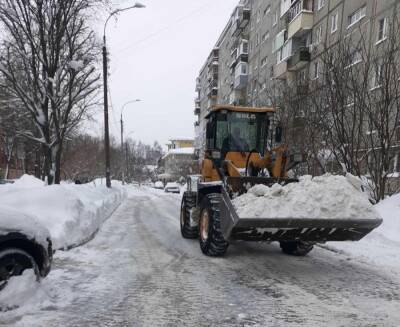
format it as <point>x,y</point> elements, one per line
<point>212,242</point>
<point>188,231</point>
<point>296,248</point>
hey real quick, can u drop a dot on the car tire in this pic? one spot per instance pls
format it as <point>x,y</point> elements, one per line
<point>13,262</point>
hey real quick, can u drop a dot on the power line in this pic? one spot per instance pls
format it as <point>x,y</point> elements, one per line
<point>166,28</point>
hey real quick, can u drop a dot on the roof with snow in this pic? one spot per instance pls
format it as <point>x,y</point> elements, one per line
<point>183,138</point>
<point>180,151</point>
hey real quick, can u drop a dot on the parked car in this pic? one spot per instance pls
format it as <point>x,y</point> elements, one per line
<point>24,244</point>
<point>172,188</point>
<point>159,185</point>
<point>6,181</point>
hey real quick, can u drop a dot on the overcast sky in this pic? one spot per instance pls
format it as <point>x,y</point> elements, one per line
<point>156,55</point>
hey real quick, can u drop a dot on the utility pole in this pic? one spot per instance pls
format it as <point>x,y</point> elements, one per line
<point>105,81</point>
<point>124,162</point>
<point>106,125</point>
<point>122,151</point>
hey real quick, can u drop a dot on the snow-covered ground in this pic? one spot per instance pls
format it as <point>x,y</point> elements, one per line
<point>72,213</point>
<point>138,271</point>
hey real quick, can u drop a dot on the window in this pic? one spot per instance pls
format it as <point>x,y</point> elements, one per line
<point>318,35</point>
<point>357,16</point>
<point>264,61</point>
<point>321,4</point>
<point>355,57</point>
<point>296,9</point>
<point>275,21</point>
<point>257,39</point>
<point>265,37</point>
<point>349,100</point>
<point>334,22</point>
<point>382,29</point>
<point>377,77</point>
<point>301,76</point>
<point>398,140</point>
<point>258,15</point>
<point>316,70</point>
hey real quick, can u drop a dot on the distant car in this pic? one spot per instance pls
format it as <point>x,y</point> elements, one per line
<point>159,185</point>
<point>172,188</point>
<point>6,181</point>
<point>24,244</point>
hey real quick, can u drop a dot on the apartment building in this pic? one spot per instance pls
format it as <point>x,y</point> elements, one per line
<point>266,41</point>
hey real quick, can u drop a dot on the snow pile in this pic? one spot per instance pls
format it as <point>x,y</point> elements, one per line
<point>23,291</point>
<point>14,221</point>
<point>28,181</point>
<point>382,246</point>
<point>72,213</point>
<point>24,295</point>
<point>325,197</point>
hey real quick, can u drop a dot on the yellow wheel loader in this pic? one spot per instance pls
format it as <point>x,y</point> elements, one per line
<point>237,157</point>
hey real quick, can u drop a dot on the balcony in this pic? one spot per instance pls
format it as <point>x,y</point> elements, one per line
<point>240,82</point>
<point>299,59</point>
<point>215,54</point>
<point>241,76</point>
<point>213,72</point>
<point>300,24</point>
<point>212,91</point>
<point>243,54</point>
<point>280,70</point>
<point>241,20</point>
<point>198,84</point>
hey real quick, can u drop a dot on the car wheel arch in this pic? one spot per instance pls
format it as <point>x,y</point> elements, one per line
<point>38,253</point>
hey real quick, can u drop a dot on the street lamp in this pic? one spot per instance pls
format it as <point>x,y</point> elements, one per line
<point>105,78</point>
<point>122,138</point>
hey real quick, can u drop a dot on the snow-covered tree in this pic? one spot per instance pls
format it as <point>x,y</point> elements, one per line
<point>47,62</point>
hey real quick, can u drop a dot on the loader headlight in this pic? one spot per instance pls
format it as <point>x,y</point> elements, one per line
<point>297,157</point>
<point>216,155</point>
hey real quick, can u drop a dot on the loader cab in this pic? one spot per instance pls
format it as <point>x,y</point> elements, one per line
<point>237,129</point>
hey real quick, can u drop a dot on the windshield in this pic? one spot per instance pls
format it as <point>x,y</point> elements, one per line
<point>238,131</point>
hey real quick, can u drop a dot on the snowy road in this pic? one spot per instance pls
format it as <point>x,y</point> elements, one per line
<point>138,271</point>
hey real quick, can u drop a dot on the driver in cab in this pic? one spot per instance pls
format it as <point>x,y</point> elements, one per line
<point>234,142</point>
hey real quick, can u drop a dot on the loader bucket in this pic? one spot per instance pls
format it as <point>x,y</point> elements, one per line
<point>290,229</point>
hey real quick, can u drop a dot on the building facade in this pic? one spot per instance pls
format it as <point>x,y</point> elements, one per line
<point>266,41</point>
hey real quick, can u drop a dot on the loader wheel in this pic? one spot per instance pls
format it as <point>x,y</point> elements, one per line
<point>212,242</point>
<point>187,231</point>
<point>296,248</point>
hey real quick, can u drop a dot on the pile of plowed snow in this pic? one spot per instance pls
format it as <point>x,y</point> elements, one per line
<point>72,213</point>
<point>325,197</point>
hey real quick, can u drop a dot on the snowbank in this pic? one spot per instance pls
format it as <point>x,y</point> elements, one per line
<point>382,246</point>
<point>390,211</point>
<point>325,197</point>
<point>72,213</point>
